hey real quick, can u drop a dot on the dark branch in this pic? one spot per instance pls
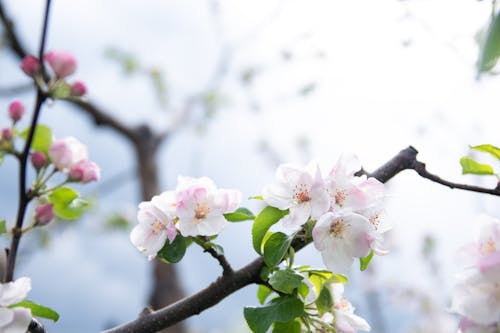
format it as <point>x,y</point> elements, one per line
<point>204,243</point>
<point>10,33</point>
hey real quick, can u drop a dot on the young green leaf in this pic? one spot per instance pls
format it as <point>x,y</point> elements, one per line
<point>67,204</point>
<point>219,250</point>
<point>240,215</point>
<point>267,217</point>
<point>173,252</point>
<point>318,277</point>
<point>486,148</point>
<point>2,154</point>
<point>285,281</point>
<point>42,138</point>
<point>469,166</point>
<point>262,293</point>
<point>288,327</point>
<point>490,48</point>
<point>303,290</point>
<point>324,302</point>
<point>3,227</point>
<point>276,248</point>
<point>282,309</point>
<point>364,262</point>
<point>38,310</point>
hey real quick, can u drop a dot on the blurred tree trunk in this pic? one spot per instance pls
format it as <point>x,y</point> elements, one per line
<point>166,286</point>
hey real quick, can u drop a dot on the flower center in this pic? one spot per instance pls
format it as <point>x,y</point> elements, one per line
<point>301,193</point>
<point>343,305</point>
<point>340,196</point>
<point>157,227</point>
<point>201,211</point>
<point>337,228</point>
<point>375,220</point>
<point>488,247</point>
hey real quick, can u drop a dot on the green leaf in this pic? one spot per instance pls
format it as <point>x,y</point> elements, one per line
<point>318,277</point>
<point>67,204</point>
<point>38,310</point>
<point>490,48</point>
<point>264,273</point>
<point>42,138</point>
<point>303,290</point>
<point>173,252</point>
<point>285,281</point>
<point>267,217</point>
<point>288,327</point>
<point>256,197</point>
<point>364,262</point>
<point>486,148</point>
<point>3,227</point>
<point>282,309</point>
<point>2,154</point>
<point>262,293</point>
<point>469,166</point>
<point>324,302</point>
<point>219,250</point>
<point>239,215</point>
<point>276,248</point>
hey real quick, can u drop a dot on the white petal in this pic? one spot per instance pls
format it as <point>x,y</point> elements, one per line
<point>298,215</point>
<point>187,227</point>
<point>321,231</point>
<point>212,225</point>
<point>320,202</point>
<point>14,292</point>
<point>337,259</point>
<point>20,323</point>
<point>278,195</point>
<point>6,316</point>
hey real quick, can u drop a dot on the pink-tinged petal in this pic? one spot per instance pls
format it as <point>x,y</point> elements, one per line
<point>360,235</point>
<point>6,316</point>
<point>337,259</point>
<point>187,228</point>
<point>146,240</point>
<point>14,292</point>
<point>489,263</point>
<point>166,202</point>
<point>62,63</point>
<point>67,152</point>
<point>321,231</point>
<point>297,216</point>
<point>347,164</point>
<point>171,232</point>
<point>320,202</point>
<point>20,322</point>
<point>227,200</point>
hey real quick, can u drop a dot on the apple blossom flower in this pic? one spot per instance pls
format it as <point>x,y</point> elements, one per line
<point>468,326</point>
<point>349,191</point>
<point>201,206</point>
<point>38,160</point>
<point>345,319</point>
<point>44,214</point>
<point>156,224</point>
<point>67,152</point>
<point>30,65</point>
<point>62,63</point>
<point>78,89</point>
<point>16,110</point>
<point>301,191</point>
<point>341,238</point>
<point>14,319</point>
<point>84,172</point>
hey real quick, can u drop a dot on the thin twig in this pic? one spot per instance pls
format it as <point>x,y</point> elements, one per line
<point>226,267</point>
<point>24,196</point>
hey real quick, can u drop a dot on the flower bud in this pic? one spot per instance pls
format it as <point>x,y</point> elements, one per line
<point>38,160</point>
<point>16,110</point>
<point>84,172</point>
<point>6,134</point>
<point>62,63</point>
<point>78,89</point>
<point>44,214</point>
<point>30,65</point>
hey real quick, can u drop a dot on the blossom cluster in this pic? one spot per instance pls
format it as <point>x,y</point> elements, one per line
<point>195,208</point>
<point>347,208</point>
<point>476,295</point>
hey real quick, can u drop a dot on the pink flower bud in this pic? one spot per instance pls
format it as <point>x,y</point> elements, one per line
<point>6,134</point>
<point>67,152</point>
<point>78,89</point>
<point>44,214</point>
<point>84,172</point>
<point>38,160</point>
<point>16,110</point>
<point>30,65</point>
<point>62,63</point>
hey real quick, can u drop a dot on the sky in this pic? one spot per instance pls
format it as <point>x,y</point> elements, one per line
<point>327,77</point>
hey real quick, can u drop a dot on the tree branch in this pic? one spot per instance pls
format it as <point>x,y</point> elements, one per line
<point>203,243</point>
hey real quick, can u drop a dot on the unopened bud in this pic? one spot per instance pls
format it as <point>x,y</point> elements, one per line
<point>16,110</point>
<point>84,172</point>
<point>44,214</point>
<point>78,89</point>
<point>38,160</point>
<point>62,63</point>
<point>30,65</point>
<point>6,134</point>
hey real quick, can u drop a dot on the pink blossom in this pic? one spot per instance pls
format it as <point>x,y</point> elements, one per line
<point>84,172</point>
<point>44,214</point>
<point>78,89</point>
<point>67,152</point>
<point>38,160</point>
<point>16,110</point>
<point>30,65</point>
<point>201,206</point>
<point>62,63</point>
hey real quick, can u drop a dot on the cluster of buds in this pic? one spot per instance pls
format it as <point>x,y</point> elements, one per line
<point>62,64</point>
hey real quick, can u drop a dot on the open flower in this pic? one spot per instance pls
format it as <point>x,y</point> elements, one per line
<point>14,319</point>
<point>301,191</point>
<point>200,206</point>
<point>341,238</point>
<point>156,224</point>
<point>67,152</point>
<point>345,319</point>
